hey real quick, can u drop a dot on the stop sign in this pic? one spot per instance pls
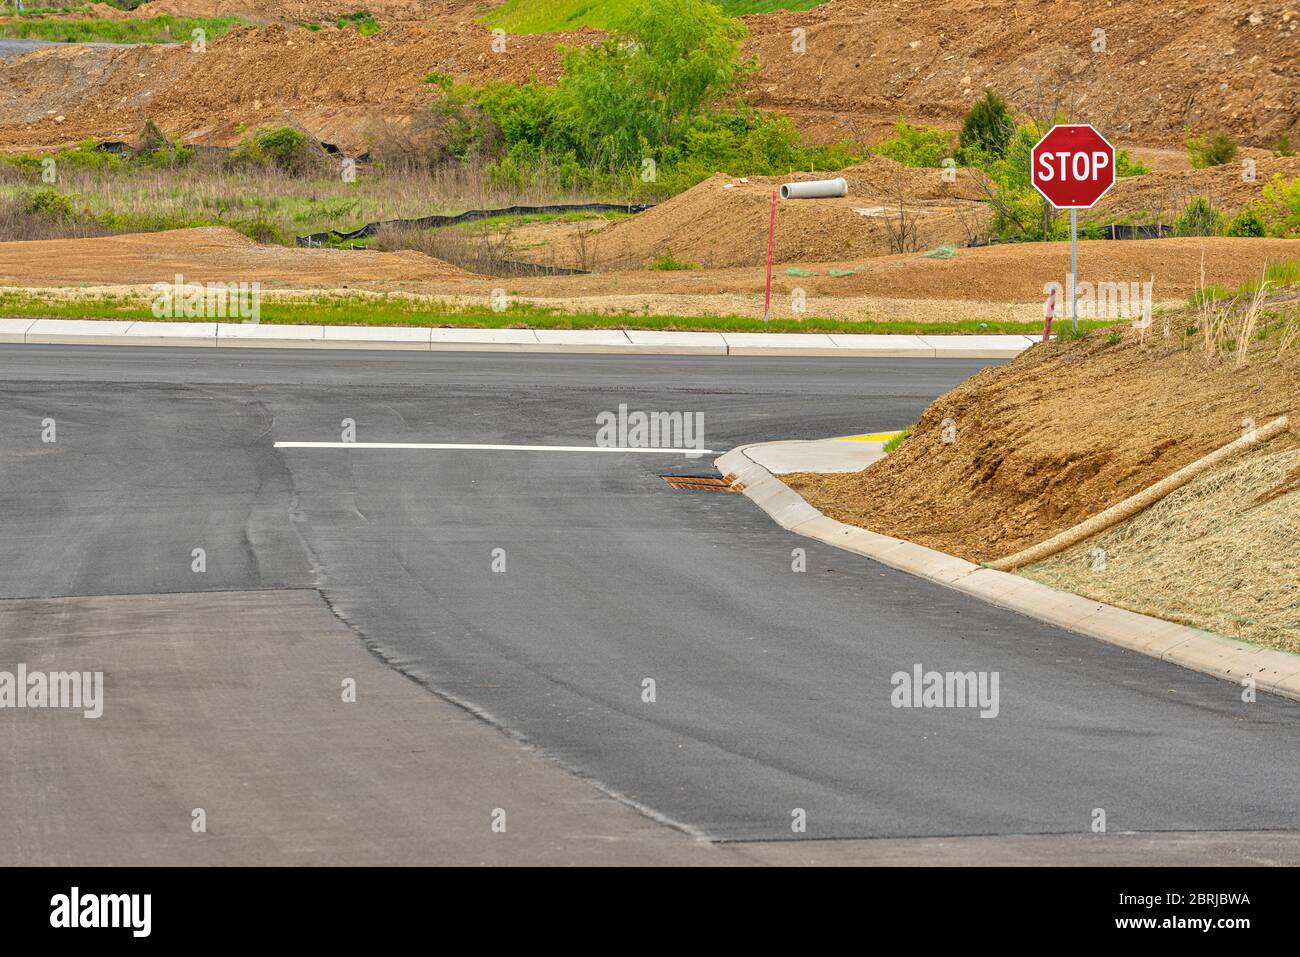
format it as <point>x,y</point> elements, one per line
<point>1073,166</point>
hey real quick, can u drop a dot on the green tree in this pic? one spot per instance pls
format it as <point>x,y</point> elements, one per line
<point>1018,208</point>
<point>1199,218</point>
<point>652,76</point>
<point>988,128</point>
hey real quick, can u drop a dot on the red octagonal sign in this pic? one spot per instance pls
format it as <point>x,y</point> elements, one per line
<point>1073,166</point>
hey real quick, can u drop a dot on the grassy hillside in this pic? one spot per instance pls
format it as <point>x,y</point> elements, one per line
<point>162,29</point>
<point>550,16</point>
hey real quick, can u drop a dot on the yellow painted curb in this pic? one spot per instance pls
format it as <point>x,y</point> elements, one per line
<point>872,437</point>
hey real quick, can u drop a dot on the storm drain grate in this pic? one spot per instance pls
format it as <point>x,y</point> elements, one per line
<point>707,483</point>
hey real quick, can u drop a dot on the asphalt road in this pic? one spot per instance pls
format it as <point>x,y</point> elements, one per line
<point>17,46</point>
<point>772,687</point>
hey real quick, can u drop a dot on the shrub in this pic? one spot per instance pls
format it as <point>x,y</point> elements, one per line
<point>1199,218</point>
<point>1211,151</point>
<point>650,112</point>
<point>1247,222</point>
<point>19,222</point>
<point>85,155</point>
<point>1279,207</point>
<point>667,262</point>
<point>158,150</point>
<point>1125,165</point>
<point>51,204</point>
<point>283,147</point>
<point>1284,147</point>
<point>916,145</point>
<point>538,141</point>
<point>261,231</point>
<point>988,127</point>
<point>1018,209</point>
<point>366,25</point>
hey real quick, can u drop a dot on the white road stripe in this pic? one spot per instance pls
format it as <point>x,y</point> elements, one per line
<point>482,448</point>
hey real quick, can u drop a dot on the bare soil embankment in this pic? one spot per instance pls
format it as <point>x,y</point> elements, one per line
<point>1165,67</point>
<point>1019,453</point>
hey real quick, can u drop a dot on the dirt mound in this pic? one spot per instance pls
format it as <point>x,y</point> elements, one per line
<point>724,220</point>
<point>336,83</point>
<point>911,286</point>
<point>1163,196</point>
<point>1165,65</point>
<point>1164,68</point>
<point>1059,434</point>
<point>1017,272</point>
<point>210,254</point>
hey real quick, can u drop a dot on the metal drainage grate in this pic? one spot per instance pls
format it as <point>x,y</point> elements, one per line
<point>707,483</point>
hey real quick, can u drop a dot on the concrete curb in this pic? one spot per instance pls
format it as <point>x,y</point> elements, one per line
<point>1276,672</point>
<point>611,341</point>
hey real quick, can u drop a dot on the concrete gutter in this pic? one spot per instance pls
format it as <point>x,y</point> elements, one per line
<point>425,339</point>
<point>1277,672</point>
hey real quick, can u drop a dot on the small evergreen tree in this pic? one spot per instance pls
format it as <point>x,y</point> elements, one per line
<point>988,127</point>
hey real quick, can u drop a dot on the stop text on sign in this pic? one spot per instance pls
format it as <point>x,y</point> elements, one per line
<point>1075,166</point>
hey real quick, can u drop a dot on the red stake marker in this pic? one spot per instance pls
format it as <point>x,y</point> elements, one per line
<point>771,239</point>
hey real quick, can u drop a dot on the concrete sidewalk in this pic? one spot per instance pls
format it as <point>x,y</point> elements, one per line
<point>846,453</point>
<point>434,339</point>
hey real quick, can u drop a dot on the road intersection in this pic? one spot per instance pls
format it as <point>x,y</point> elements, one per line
<point>541,592</point>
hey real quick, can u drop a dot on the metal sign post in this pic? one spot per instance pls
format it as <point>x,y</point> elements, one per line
<point>1074,270</point>
<point>1072,166</point>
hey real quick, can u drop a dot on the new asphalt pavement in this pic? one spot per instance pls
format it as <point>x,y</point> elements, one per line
<point>661,643</point>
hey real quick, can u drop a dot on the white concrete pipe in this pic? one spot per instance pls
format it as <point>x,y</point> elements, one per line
<point>817,189</point>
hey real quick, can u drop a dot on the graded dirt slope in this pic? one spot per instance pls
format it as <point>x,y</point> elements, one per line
<point>209,254</point>
<point>979,285</point>
<point>983,283</point>
<point>336,83</point>
<point>724,220</point>
<point>1061,433</point>
<point>1166,65</point>
<point>1163,196</point>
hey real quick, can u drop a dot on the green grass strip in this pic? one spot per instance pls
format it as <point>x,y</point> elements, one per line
<point>399,311</point>
<point>154,30</point>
